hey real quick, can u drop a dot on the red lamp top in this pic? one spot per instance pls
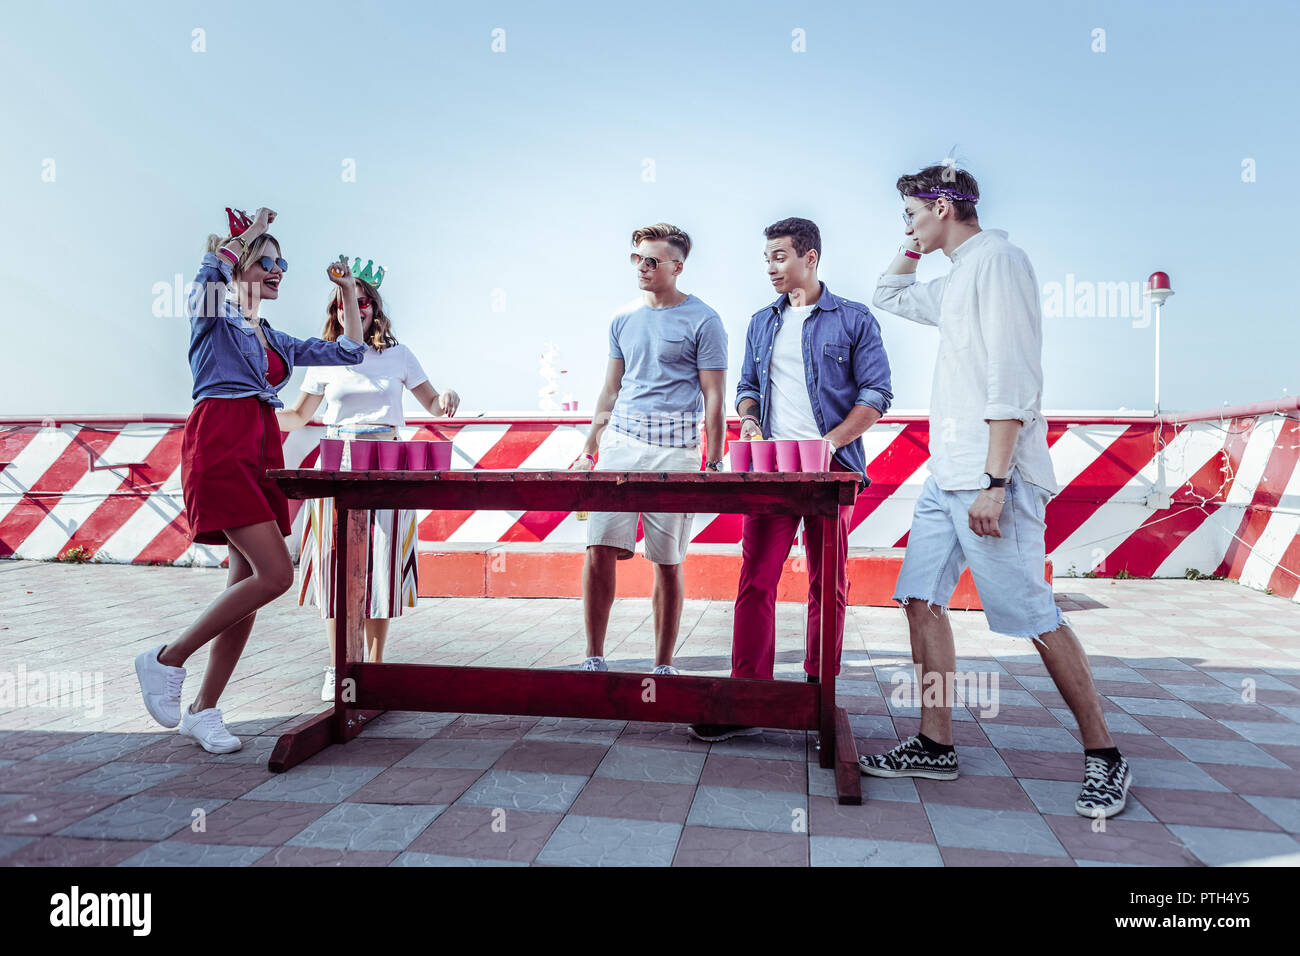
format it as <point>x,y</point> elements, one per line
<point>1158,280</point>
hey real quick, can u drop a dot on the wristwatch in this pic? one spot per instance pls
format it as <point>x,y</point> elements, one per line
<point>714,465</point>
<point>988,481</point>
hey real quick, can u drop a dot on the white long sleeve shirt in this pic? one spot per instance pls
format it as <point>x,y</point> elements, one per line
<point>990,362</point>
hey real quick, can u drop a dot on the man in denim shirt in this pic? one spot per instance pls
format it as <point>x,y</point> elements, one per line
<point>814,367</point>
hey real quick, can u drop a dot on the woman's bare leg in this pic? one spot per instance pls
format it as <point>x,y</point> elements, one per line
<point>376,635</point>
<point>227,646</point>
<point>263,547</point>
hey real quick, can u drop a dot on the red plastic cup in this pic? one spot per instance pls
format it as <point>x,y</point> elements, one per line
<point>392,456</point>
<point>417,455</point>
<point>815,455</point>
<point>331,454</point>
<point>787,455</point>
<point>439,455</point>
<point>763,455</point>
<point>741,459</point>
<point>365,455</point>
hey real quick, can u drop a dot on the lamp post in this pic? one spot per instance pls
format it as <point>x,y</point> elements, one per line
<point>1158,291</point>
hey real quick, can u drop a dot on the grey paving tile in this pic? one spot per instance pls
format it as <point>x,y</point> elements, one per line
<point>1284,811</point>
<point>1273,732</point>
<point>1172,774</point>
<point>457,753</point>
<point>849,851</point>
<point>315,784</point>
<point>411,858</point>
<point>517,790</point>
<point>1222,847</point>
<point>1116,723</point>
<point>1119,674</point>
<point>577,730</point>
<point>11,844</point>
<point>1012,737</point>
<point>1156,707</point>
<point>1029,682</point>
<point>1290,713</point>
<point>1058,796</point>
<point>600,841</point>
<point>141,818</point>
<point>651,764</point>
<point>1237,752</point>
<point>982,761</point>
<point>1204,693</point>
<point>739,809</point>
<point>872,726</point>
<point>1237,680</point>
<point>770,745</point>
<point>405,723</point>
<point>176,853</point>
<point>122,777</point>
<point>821,783</point>
<point>367,826</point>
<point>856,688</point>
<point>101,748</point>
<point>1011,831</point>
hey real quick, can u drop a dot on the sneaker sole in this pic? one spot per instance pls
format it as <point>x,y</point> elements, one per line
<point>148,705</point>
<point>1093,813</point>
<point>926,774</point>
<point>749,732</point>
<point>214,750</point>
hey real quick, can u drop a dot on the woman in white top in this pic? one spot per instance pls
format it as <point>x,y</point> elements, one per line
<point>363,402</point>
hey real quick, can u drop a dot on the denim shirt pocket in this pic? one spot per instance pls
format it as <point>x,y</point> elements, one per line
<point>837,361</point>
<point>674,352</point>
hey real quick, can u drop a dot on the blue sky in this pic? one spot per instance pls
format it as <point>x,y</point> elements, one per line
<point>522,171</point>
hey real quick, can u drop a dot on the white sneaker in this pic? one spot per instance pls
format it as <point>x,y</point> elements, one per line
<point>160,686</point>
<point>327,689</point>
<point>665,669</point>
<point>210,731</point>
<point>593,664</point>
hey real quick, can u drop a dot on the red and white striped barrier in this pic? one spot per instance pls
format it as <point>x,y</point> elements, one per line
<point>1218,491</point>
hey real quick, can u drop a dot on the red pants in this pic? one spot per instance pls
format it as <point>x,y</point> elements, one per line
<point>766,542</point>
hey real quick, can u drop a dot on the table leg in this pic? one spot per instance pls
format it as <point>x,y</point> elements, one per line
<point>350,530</point>
<point>837,747</point>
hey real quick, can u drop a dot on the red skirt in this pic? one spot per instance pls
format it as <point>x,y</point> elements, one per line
<point>229,444</point>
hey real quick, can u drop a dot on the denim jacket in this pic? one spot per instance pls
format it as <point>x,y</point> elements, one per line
<point>226,358</point>
<point>844,362</point>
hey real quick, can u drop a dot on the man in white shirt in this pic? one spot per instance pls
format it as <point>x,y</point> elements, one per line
<point>990,478</point>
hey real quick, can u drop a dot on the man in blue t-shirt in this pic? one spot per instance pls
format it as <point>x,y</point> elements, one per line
<point>667,371</point>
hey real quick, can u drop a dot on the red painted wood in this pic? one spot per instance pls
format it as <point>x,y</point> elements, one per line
<point>610,695</point>
<point>848,776</point>
<point>826,665</point>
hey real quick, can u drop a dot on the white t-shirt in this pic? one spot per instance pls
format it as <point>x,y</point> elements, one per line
<point>791,414</point>
<point>369,393</point>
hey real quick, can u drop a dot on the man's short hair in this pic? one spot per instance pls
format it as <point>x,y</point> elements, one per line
<point>666,232</point>
<point>938,178</point>
<point>803,232</point>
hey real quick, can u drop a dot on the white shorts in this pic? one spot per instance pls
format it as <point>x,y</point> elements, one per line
<point>666,534</point>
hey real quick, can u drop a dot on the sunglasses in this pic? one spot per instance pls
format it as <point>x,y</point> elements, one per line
<point>364,302</point>
<point>266,262</point>
<point>651,262</point>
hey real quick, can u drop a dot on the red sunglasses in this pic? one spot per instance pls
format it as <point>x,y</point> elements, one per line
<point>364,302</point>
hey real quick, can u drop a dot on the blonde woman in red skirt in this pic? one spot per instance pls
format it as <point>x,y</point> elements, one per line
<point>363,402</point>
<point>239,362</point>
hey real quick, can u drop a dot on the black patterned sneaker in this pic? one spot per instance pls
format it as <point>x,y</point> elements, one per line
<point>1105,787</point>
<point>911,759</point>
<point>715,732</point>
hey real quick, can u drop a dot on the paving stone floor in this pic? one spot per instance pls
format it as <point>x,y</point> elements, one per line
<point>1200,682</point>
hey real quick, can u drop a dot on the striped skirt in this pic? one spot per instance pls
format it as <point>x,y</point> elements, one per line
<point>391,578</point>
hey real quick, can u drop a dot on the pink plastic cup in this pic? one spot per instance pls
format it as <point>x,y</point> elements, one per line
<point>815,455</point>
<point>392,456</point>
<point>417,455</point>
<point>365,455</point>
<point>763,455</point>
<point>331,454</point>
<point>787,455</point>
<point>740,455</point>
<point>439,455</point>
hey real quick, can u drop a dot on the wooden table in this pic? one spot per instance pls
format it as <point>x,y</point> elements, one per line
<point>568,693</point>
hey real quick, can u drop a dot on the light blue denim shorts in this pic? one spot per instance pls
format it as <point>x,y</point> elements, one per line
<point>1008,571</point>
